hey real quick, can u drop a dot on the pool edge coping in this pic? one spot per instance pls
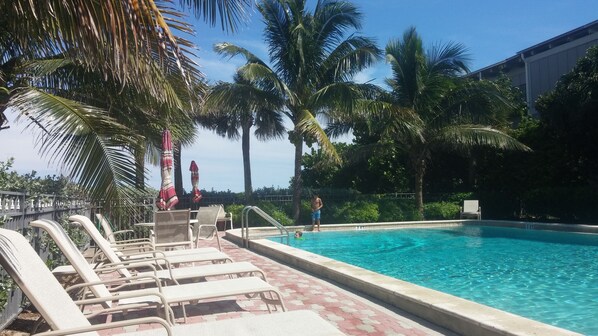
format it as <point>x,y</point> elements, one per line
<point>453,313</point>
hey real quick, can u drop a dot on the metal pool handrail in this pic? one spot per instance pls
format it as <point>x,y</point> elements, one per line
<point>284,233</point>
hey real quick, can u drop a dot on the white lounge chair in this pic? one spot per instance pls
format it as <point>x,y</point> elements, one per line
<point>177,294</point>
<point>111,235</point>
<point>205,228</point>
<point>63,316</point>
<point>471,209</point>
<point>126,268</point>
<point>172,228</point>
<point>206,254</point>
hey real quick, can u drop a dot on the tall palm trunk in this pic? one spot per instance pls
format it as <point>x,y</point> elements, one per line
<point>473,170</point>
<point>178,172</point>
<point>419,167</point>
<point>140,168</point>
<point>297,181</point>
<point>245,132</point>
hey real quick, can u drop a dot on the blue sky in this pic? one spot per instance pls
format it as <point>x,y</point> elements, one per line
<point>491,30</point>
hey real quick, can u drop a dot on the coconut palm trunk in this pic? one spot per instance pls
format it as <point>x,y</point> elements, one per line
<point>245,147</point>
<point>178,172</point>
<point>419,167</point>
<point>140,168</point>
<point>297,181</point>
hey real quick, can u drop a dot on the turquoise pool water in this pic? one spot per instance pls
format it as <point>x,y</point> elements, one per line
<point>547,276</point>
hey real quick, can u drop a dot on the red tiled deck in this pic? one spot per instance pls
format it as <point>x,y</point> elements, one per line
<point>350,313</point>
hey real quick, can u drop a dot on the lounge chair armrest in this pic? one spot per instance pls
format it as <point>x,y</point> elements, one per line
<point>120,232</point>
<point>113,281</point>
<point>111,325</point>
<point>110,267</point>
<point>139,243</point>
<point>155,254</point>
<point>132,264</point>
<point>213,226</point>
<point>174,244</point>
<point>136,294</point>
<point>133,241</point>
<point>133,250</point>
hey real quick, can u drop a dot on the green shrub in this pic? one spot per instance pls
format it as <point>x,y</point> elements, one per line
<point>458,197</point>
<point>305,215</point>
<point>396,210</point>
<point>357,212</point>
<point>235,210</point>
<point>276,211</point>
<point>441,210</point>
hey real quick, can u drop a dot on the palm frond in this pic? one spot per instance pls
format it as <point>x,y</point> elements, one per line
<point>72,78</point>
<point>256,72</point>
<point>230,106</point>
<point>279,36</point>
<point>310,127</point>
<point>337,128</point>
<point>449,59</point>
<point>406,57</point>
<point>464,137</point>
<point>230,50</point>
<point>231,13</point>
<point>340,96</point>
<point>332,19</point>
<point>350,57</point>
<point>90,145</point>
<point>269,125</point>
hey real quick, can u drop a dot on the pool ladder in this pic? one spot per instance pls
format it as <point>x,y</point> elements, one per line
<point>283,232</point>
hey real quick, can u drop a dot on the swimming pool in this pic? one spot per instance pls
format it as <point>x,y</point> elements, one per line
<point>548,276</point>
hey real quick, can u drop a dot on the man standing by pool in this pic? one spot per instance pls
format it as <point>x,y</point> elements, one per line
<point>316,205</point>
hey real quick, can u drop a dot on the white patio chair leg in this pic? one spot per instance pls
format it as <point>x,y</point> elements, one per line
<point>218,240</point>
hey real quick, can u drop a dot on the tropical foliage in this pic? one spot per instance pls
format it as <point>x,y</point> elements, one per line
<point>431,107</point>
<point>100,80</point>
<point>313,59</point>
<point>558,180</point>
<point>242,105</point>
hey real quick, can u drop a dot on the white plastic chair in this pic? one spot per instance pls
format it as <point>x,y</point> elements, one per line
<point>471,208</point>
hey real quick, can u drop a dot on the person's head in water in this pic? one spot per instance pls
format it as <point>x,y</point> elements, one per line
<point>298,234</point>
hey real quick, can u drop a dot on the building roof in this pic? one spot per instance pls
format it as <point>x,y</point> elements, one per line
<point>517,60</point>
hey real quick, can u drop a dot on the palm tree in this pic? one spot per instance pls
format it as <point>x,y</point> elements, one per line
<point>130,47</point>
<point>312,66</point>
<point>242,105</point>
<point>102,126</point>
<point>430,106</point>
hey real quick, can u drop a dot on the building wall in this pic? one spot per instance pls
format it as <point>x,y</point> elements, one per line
<point>544,69</point>
<point>517,76</point>
<point>537,70</point>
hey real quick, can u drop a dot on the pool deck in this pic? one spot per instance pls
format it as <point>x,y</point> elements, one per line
<point>351,313</point>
